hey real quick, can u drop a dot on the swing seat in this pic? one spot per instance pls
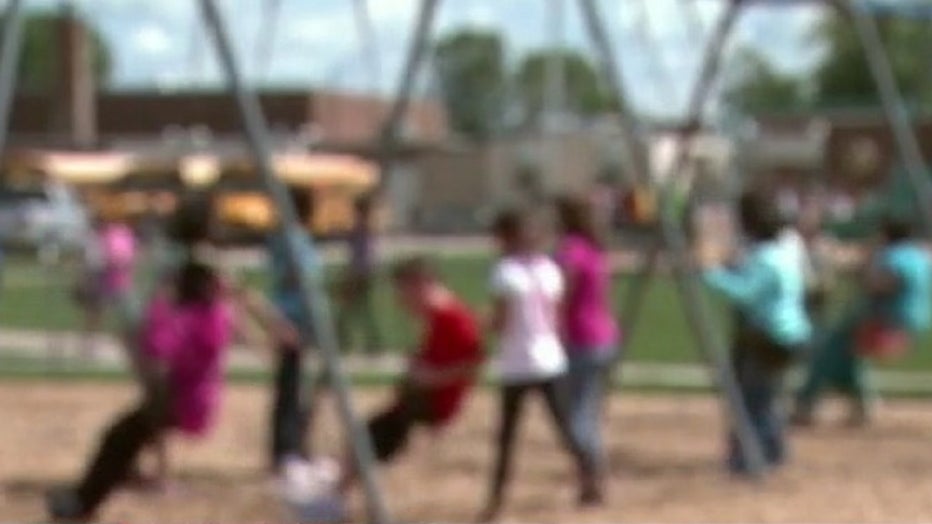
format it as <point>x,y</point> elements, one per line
<point>881,341</point>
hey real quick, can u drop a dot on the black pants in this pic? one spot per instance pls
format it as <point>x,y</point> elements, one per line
<point>391,428</point>
<point>119,451</point>
<point>290,412</point>
<point>512,405</point>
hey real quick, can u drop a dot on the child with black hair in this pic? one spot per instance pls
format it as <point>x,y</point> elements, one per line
<point>177,351</point>
<point>768,289</point>
<point>184,335</point>
<point>357,306</point>
<point>528,288</point>
<point>883,324</point>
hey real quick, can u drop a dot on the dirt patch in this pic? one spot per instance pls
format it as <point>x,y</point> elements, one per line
<point>665,456</point>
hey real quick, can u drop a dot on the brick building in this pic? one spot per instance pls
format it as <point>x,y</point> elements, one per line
<point>851,149</point>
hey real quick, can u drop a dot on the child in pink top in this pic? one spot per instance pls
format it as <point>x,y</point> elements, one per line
<point>590,331</point>
<point>119,255</point>
<point>184,337</point>
<point>588,321</point>
<point>187,344</point>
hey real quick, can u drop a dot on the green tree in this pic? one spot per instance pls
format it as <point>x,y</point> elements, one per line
<point>585,93</point>
<point>843,76</point>
<point>39,53</point>
<point>755,85</point>
<point>470,72</point>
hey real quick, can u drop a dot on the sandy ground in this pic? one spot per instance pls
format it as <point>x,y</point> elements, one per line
<point>665,457</point>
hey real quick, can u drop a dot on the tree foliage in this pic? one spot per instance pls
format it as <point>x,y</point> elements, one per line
<point>584,92</point>
<point>757,86</point>
<point>39,55</point>
<point>843,77</point>
<point>470,67</point>
<point>479,88</point>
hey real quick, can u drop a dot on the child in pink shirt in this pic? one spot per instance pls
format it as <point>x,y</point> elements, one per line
<point>119,253</point>
<point>590,332</point>
<point>184,337</point>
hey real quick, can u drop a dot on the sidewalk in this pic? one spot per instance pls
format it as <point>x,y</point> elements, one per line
<point>53,352</point>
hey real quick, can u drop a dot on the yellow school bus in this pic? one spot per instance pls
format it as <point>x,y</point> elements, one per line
<point>129,186</point>
<point>331,182</point>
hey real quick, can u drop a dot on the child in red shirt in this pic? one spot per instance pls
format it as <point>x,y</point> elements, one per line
<point>440,374</point>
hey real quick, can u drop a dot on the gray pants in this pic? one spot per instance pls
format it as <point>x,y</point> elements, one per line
<point>586,383</point>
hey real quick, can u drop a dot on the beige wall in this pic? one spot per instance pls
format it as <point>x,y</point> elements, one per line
<point>459,189</point>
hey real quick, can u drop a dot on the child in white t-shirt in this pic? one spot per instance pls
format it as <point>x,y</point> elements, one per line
<point>528,287</point>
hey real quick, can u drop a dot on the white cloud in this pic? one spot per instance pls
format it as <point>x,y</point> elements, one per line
<point>152,40</point>
<point>658,41</point>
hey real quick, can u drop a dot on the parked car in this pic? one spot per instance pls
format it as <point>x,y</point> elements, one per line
<point>43,217</point>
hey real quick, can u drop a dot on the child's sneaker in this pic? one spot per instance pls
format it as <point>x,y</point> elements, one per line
<point>310,489</point>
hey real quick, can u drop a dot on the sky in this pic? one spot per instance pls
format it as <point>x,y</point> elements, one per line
<point>316,42</point>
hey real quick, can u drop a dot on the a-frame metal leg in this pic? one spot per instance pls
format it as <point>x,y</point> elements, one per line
<point>904,136</point>
<point>420,42</point>
<point>687,278</point>
<point>256,130</point>
<point>10,45</point>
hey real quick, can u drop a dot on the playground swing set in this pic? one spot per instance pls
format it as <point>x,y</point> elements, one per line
<point>671,237</point>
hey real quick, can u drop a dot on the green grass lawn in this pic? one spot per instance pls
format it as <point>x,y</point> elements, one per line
<point>34,299</point>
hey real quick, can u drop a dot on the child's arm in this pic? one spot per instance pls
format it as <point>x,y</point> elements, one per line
<point>743,286</point>
<point>269,318</point>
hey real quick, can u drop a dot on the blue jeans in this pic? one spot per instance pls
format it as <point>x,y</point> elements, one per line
<point>586,381</point>
<point>759,382</point>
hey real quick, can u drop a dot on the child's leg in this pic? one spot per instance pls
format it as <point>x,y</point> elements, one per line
<point>856,384</point>
<point>289,416</point>
<point>827,367</point>
<point>347,313</point>
<point>93,325</point>
<point>589,465</point>
<point>117,455</point>
<point>371,320</point>
<point>512,403</point>
<point>585,388</point>
<point>389,431</point>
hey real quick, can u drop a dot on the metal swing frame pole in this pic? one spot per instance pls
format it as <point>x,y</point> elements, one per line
<point>368,41</point>
<point>388,136</point>
<point>687,277</point>
<point>12,41</point>
<point>316,305</point>
<point>895,112</point>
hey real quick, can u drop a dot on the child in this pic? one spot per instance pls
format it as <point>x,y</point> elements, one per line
<point>894,310</point>
<point>107,278</point>
<point>589,327</point>
<point>768,289</point>
<point>528,289</point>
<point>290,413</point>
<point>357,307</point>
<point>185,333</point>
<point>440,374</point>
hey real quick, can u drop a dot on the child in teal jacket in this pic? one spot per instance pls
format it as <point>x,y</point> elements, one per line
<point>768,289</point>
